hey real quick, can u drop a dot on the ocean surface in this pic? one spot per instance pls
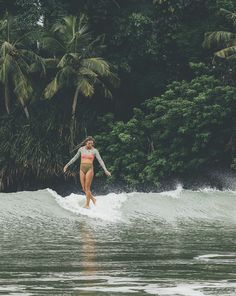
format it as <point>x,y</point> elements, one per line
<point>174,243</point>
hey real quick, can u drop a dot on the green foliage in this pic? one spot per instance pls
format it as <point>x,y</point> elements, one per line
<point>33,153</point>
<point>188,119</point>
<point>124,147</point>
<point>29,13</point>
<point>185,130</point>
<point>226,4</point>
<point>223,42</point>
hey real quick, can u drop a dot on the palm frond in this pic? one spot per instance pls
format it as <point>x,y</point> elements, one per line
<point>65,76</point>
<point>51,89</point>
<point>226,53</point>
<point>51,63</point>
<point>87,72</point>
<point>53,44</point>
<point>76,56</point>
<point>74,32</point>
<point>82,20</point>
<point>107,93</point>
<point>218,38</point>
<point>63,61</point>
<point>7,48</point>
<point>69,24</point>
<point>69,59</point>
<point>85,87</point>
<point>82,30</point>
<point>113,79</point>
<point>231,16</point>
<point>98,65</point>
<point>22,86</point>
<point>5,68</point>
<point>232,57</point>
<point>67,27</point>
<point>98,41</point>
<point>34,59</point>
<point>104,88</point>
<point>3,25</point>
<point>28,36</point>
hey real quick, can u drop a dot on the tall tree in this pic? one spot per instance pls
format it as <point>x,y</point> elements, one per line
<point>16,64</point>
<point>77,64</point>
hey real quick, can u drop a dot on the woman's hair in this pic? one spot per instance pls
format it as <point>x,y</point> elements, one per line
<point>89,138</point>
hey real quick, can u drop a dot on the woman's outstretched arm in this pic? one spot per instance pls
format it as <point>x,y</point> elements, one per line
<point>102,164</point>
<point>74,158</point>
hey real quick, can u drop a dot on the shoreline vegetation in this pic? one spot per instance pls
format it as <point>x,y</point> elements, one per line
<point>153,83</point>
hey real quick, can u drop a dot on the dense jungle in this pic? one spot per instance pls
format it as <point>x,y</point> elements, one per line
<point>152,81</point>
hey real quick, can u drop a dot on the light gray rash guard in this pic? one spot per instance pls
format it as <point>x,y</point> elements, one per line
<point>88,154</point>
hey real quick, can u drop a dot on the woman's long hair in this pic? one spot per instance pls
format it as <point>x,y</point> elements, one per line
<point>89,138</point>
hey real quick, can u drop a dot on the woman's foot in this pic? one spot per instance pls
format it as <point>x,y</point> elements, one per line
<point>86,207</point>
<point>94,200</point>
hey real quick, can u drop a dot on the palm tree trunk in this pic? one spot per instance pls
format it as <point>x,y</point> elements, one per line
<point>73,121</point>
<point>26,111</point>
<point>7,103</point>
<point>25,108</point>
<point>7,99</point>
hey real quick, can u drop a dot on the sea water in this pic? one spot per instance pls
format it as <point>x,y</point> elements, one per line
<point>174,243</point>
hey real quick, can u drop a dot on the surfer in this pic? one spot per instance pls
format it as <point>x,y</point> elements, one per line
<point>87,152</point>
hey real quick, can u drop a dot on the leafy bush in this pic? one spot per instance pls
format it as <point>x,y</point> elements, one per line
<point>186,130</point>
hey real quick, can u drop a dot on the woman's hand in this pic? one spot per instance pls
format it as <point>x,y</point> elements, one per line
<point>108,173</point>
<point>65,168</point>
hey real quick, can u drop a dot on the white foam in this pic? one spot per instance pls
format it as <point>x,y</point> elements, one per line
<point>208,257</point>
<point>162,289</point>
<point>14,290</point>
<point>107,206</point>
<point>180,290</point>
<point>209,190</point>
<point>110,289</point>
<point>173,193</point>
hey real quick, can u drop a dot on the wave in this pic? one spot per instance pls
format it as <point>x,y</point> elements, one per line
<point>206,204</point>
<point>107,207</point>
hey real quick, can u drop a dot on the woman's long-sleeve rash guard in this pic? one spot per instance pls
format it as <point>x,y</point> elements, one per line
<point>88,153</point>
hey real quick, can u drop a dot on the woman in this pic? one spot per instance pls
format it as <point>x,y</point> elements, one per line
<point>87,152</point>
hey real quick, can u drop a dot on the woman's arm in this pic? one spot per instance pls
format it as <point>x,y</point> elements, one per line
<point>98,156</point>
<point>74,158</point>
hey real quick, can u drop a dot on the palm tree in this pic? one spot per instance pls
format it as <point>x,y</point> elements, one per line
<point>224,42</point>
<point>16,63</point>
<point>77,65</point>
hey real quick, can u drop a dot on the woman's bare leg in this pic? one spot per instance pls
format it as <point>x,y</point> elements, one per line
<point>82,179</point>
<point>88,182</point>
<point>93,199</point>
